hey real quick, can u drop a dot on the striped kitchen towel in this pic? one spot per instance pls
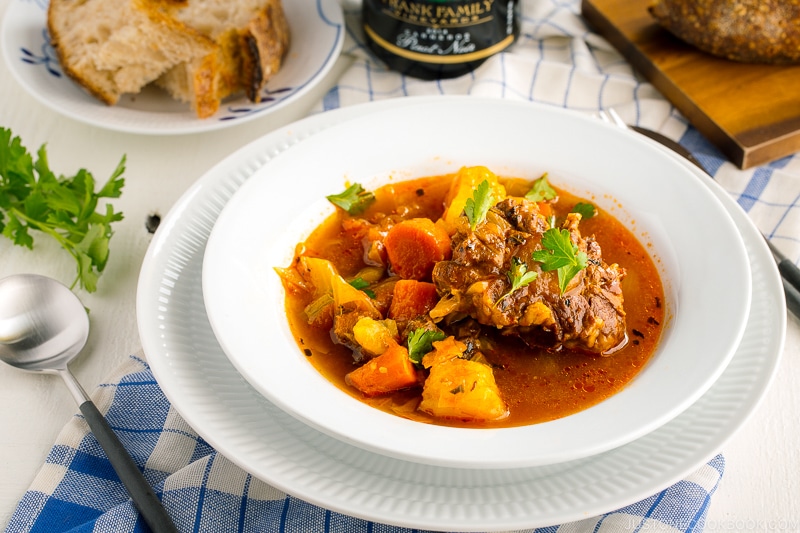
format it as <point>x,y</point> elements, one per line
<point>77,490</point>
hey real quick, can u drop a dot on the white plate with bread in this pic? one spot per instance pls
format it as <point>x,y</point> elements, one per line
<point>145,66</point>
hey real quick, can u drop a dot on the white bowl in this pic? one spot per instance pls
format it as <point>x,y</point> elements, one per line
<point>695,244</point>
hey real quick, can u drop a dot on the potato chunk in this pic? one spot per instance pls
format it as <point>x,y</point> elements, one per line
<point>463,186</point>
<point>462,389</point>
<point>375,336</point>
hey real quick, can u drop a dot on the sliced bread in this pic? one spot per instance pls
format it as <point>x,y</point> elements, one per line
<point>252,38</point>
<point>200,51</point>
<point>113,47</point>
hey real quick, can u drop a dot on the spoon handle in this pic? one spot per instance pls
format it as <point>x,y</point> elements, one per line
<point>144,498</point>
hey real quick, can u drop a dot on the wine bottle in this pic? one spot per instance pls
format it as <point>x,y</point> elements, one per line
<point>434,39</point>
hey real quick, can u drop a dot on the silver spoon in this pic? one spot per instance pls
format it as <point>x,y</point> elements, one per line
<point>43,326</point>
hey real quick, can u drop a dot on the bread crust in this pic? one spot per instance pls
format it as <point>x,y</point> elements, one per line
<point>264,45</point>
<point>748,31</point>
<point>109,58</point>
<point>113,47</point>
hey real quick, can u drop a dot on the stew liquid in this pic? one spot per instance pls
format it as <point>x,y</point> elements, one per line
<point>537,385</point>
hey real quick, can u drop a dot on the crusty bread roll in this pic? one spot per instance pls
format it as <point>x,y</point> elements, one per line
<point>749,31</point>
<point>200,51</point>
<point>112,47</point>
<point>252,38</point>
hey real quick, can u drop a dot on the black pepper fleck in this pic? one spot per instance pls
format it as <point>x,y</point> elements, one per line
<point>152,222</point>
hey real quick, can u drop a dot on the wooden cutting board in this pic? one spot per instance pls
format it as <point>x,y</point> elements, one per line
<point>750,112</point>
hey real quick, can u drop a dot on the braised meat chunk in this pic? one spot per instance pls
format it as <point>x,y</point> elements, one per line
<point>479,282</point>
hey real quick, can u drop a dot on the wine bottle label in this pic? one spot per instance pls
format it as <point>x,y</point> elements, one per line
<point>441,31</point>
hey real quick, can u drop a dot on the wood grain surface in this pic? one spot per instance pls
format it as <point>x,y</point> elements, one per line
<point>750,112</point>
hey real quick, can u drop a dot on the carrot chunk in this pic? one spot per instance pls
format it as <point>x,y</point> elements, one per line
<point>412,298</point>
<point>388,372</point>
<point>414,246</point>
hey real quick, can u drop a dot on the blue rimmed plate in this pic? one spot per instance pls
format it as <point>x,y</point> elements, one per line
<point>317,29</point>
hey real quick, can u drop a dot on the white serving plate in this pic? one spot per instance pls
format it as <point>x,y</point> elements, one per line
<point>317,33</point>
<point>684,225</point>
<point>240,423</point>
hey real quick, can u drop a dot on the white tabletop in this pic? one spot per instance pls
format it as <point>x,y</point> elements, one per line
<point>758,490</point>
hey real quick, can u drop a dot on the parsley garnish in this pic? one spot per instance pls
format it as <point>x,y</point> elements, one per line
<point>477,206</point>
<point>361,284</point>
<point>420,342</point>
<point>586,210</point>
<point>354,199</point>
<point>32,197</point>
<point>541,191</point>
<point>560,254</point>
<point>518,275</point>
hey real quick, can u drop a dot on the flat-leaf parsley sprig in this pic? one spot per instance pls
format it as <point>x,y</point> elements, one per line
<point>519,276</point>
<point>559,253</point>
<point>420,341</point>
<point>541,191</point>
<point>32,197</point>
<point>354,199</point>
<point>478,205</point>
<point>585,210</point>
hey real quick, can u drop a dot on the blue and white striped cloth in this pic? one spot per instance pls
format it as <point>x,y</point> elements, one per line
<point>557,61</point>
<point>77,490</point>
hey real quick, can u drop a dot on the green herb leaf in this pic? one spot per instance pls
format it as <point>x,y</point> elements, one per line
<point>541,191</point>
<point>32,197</point>
<point>361,284</point>
<point>458,390</point>
<point>561,255</point>
<point>519,276</point>
<point>420,342</point>
<point>586,210</point>
<point>477,206</point>
<point>354,199</point>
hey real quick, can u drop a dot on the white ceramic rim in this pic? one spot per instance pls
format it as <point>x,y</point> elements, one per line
<point>236,420</point>
<point>244,298</point>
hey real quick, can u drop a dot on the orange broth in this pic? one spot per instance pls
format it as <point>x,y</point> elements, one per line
<point>536,384</point>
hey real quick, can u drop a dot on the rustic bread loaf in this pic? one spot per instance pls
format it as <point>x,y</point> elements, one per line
<point>199,50</point>
<point>112,47</point>
<point>252,37</point>
<point>749,31</point>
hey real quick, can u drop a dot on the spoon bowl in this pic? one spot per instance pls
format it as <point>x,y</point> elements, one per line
<point>43,326</point>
